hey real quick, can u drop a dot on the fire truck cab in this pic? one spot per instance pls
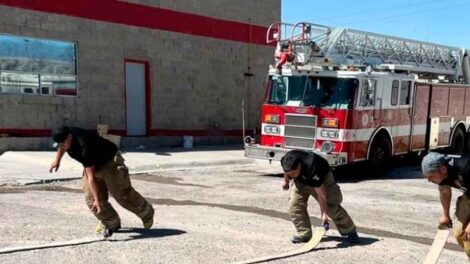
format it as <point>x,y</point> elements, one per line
<point>351,96</point>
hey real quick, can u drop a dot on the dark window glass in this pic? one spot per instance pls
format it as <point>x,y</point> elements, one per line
<point>312,91</point>
<point>405,93</point>
<point>394,96</point>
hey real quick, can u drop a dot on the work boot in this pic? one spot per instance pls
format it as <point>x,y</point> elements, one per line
<point>99,228</point>
<point>148,224</point>
<point>353,238</point>
<point>106,232</point>
<point>299,239</point>
<point>148,221</point>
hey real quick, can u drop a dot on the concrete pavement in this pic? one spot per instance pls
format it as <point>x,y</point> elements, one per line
<point>30,167</point>
<point>227,214</point>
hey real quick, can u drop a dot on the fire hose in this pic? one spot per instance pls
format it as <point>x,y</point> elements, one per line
<point>74,242</point>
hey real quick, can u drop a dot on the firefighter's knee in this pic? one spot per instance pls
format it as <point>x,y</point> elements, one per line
<point>297,208</point>
<point>125,194</point>
<point>333,210</point>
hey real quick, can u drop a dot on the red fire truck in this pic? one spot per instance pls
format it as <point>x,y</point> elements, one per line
<point>352,96</point>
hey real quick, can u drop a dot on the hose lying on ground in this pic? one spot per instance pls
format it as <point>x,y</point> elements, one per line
<point>314,241</point>
<point>74,242</point>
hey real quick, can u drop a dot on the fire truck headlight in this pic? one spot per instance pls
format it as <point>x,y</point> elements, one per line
<point>272,130</point>
<point>273,119</point>
<point>329,133</point>
<point>327,147</point>
<point>329,122</point>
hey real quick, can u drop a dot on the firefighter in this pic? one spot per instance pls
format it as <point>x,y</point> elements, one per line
<point>104,170</point>
<point>451,172</point>
<point>312,175</point>
<point>283,55</point>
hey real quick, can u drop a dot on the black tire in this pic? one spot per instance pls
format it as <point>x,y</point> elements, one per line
<point>467,142</point>
<point>457,146</point>
<point>380,155</point>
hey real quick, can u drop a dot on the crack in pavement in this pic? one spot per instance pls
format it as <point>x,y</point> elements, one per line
<point>46,188</point>
<point>238,208</point>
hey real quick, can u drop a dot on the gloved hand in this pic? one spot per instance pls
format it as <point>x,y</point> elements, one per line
<point>445,222</point>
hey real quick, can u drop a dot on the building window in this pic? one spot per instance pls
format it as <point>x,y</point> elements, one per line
<point>37,66</point>
<point>394,96</point>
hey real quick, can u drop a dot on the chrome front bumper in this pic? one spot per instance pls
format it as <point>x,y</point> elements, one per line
<point>257,151</point>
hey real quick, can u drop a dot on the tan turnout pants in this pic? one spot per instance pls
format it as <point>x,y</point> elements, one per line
<point>462,213</point>
<point>298,207</point>
<point>113,177</point>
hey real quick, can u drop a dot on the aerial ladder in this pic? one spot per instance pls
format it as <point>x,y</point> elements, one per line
<point>309,46</point>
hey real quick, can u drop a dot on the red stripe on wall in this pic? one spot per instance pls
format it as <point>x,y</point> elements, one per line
<point>197,133</point>
<point>148,17</point>
<point>182,132</point>
<point>25,132</point>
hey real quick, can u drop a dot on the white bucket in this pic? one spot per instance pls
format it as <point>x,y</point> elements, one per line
<point>187,142</point>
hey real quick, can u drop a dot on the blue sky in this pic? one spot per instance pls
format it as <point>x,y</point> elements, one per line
<point>444,22</point>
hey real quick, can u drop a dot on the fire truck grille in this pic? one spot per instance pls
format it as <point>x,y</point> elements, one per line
<point>299,120</point>
<point>300,131</point>
<point>292,131</point>
<point>298,143</point>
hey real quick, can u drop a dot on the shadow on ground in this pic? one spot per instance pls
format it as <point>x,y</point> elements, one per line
<point>141,233</point>
<point>343,243</point>
<point>164,180</point>
<point>407,167</point>
<point>400,168</point>
<point>166,151</point>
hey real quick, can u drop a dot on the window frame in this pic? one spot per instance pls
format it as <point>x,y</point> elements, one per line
<point>361,96</point>
<point>40,73</point>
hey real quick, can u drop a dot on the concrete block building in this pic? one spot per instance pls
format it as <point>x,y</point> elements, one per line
<point>147,68</point>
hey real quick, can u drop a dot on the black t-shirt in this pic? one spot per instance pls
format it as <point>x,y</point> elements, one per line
<point>313,168</point>
<point>459,173</point>
<point>90,149</point>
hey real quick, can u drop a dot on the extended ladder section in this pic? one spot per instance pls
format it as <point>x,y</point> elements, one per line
<point>327,46</point>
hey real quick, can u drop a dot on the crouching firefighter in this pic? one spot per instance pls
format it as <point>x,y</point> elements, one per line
<point>452,172</point>
<point>104,171</point>
<point>312,176</point>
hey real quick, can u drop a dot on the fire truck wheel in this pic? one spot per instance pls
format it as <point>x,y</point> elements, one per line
<point>467,142</point>
<point>457,145</point>
<point>380,154</point>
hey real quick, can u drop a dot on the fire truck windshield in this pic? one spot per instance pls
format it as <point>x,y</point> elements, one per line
<point>312,91</point>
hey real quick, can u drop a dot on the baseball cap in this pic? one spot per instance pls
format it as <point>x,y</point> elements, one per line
<point>432,162</point>
<point>60,134</point>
